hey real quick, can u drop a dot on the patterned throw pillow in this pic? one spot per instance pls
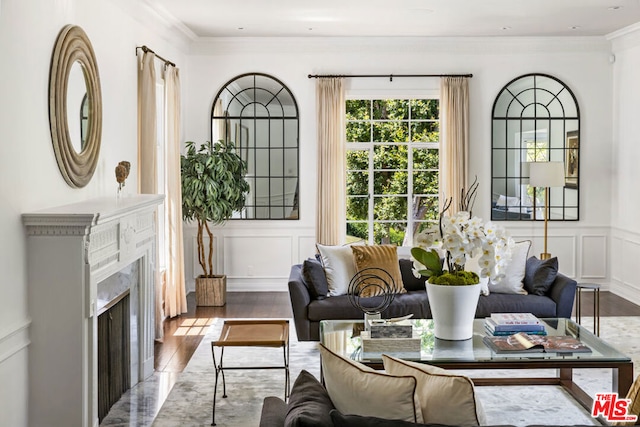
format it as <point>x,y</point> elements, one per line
<point>370,260</point>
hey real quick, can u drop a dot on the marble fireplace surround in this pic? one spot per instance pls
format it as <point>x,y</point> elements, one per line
<point>70,250</point>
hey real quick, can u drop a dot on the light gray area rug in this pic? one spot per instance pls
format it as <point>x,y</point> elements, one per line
<point>190,401</point>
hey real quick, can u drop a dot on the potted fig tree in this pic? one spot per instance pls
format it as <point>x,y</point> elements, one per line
<point>213,188</point>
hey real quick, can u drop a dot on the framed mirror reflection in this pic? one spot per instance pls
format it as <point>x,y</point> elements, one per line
<point>535,118</point>
<point>259,114</point>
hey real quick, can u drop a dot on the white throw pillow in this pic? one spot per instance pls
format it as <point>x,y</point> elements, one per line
<point>359,390</point>
<point>508,201</point>
<point>444,398</point>
<point>511,283</point>
<point>339,267</point>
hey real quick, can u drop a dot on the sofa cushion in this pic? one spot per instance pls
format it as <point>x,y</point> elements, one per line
<point>357,389</point>
<point>309,403</point>
<point>340,307</point>
<point>540,306</point>
<point>338,266</point>
<point>444,397</point>
<point>315,278</point>
<point>341,420</point>
<point>381,261</point>
<point>540,275</point>
<point>514,272</point>
<point>411,282</point>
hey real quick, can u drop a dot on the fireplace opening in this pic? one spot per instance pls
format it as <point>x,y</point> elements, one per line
<point>117,336</point>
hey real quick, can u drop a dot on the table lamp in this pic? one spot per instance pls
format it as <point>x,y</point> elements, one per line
<point>546,174</point>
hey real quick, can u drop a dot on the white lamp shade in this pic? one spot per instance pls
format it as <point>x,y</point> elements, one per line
<point>546,174</point>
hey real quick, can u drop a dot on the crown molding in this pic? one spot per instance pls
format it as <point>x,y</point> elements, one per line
<point>625,38</point>
<point>360,45</point>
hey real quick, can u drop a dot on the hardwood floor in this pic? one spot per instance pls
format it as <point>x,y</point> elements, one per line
<point>183,334</point>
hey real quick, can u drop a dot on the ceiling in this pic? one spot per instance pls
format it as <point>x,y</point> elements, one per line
<point>439,18</point>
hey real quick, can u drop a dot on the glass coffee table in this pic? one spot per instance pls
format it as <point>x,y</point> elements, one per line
<point>343,337</point>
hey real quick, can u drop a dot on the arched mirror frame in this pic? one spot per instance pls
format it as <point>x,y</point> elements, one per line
<point>246,122</point>
<point>545,108</point>
<point>73,46</point>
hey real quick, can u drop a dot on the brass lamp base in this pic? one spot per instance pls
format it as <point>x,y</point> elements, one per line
<point>545,255</point>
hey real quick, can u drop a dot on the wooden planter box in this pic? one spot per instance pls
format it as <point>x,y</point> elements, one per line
<point>211,291</point>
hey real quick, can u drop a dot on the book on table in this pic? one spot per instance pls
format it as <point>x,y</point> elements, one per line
<point>515,319</point>
<point>507,332</point>
<point>525,343</point>
<point>504,329</point>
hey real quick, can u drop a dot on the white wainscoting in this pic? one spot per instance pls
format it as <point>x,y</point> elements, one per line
<point>625,254</point>
<point>583,251</point>
<point>255,256</point>
<point>13,339</point>
<point>258,257</point>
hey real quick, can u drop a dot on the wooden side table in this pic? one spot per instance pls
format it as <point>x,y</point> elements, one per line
<point>251,333</point>
<point>595,287</point>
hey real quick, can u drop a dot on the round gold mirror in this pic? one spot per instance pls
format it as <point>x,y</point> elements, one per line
<point>76,122</point>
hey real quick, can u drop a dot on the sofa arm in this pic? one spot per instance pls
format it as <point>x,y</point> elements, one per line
<point>563,292</point>
<point>274,411</point>
<point>300,299</point>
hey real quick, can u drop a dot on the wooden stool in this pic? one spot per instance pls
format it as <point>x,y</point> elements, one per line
<point>596,304</point>
<point>251,333</point>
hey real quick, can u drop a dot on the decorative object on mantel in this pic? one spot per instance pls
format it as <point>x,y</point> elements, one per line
<point>453,293</point>
<point>213,187</point>
<point>77,159</point>
<point>122,172</point>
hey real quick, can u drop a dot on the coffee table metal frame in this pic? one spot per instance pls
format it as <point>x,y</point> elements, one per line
<point>250,333</point>
<point>621,365</point>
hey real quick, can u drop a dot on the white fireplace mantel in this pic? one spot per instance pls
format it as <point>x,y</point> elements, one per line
<point>70,249</point>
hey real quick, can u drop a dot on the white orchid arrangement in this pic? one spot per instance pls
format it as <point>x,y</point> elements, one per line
<point>461,236</point>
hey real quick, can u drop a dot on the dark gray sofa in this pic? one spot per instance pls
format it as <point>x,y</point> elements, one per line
<point>308,312</point>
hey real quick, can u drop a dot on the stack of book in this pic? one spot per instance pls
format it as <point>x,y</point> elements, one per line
<point>513,323</point>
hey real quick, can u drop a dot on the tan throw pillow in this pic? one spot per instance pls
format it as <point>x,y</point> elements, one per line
<point>339,267</point>
<point>383,257</point>
<point>444,398</point>
<point>358,390</point>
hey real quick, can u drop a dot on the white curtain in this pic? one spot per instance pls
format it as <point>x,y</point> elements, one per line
<point>330,110</point>
<point>147,163</point>
<point>454,138</point>
<point>147,138</point>
<point>175,300</point>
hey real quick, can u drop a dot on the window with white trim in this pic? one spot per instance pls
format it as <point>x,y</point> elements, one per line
<point>392,168</point>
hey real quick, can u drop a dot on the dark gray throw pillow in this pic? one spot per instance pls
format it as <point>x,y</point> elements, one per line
<point>309,403</point>
<point>411,282</point>
<point>340,420</point>
<point>316,279</point>
<point>539,275</point>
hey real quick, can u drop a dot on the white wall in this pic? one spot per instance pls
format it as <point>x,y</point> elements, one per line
<point>625,203</point>
<point>263,263</point>
<point>30,176</point>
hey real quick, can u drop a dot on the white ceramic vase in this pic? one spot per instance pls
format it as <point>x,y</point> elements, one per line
<point>453,309</point>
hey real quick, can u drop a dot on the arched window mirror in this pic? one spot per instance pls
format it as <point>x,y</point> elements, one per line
<point>260,115</point>
<point>535,119</point>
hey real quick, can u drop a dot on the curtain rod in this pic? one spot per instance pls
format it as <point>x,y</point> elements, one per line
<point>390,76</point>
<point>146,49</point>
